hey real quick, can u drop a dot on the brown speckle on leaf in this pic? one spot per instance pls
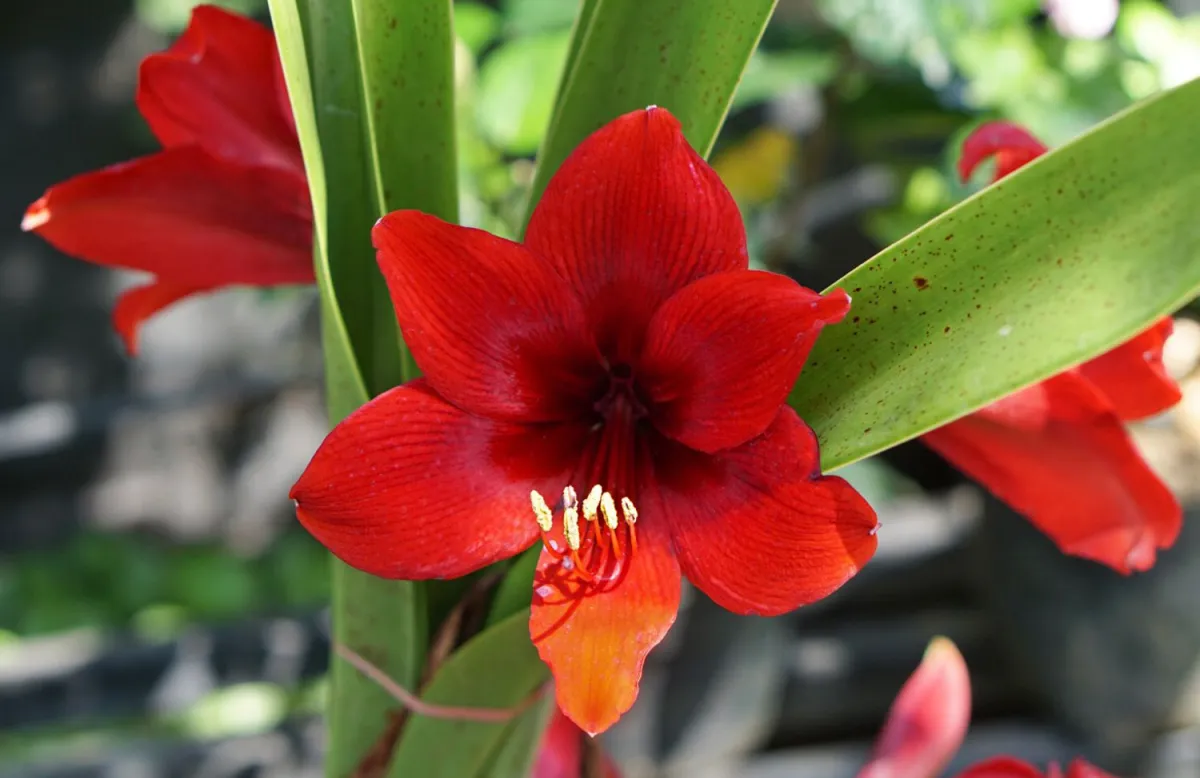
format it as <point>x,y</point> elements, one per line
<point>921,282</point>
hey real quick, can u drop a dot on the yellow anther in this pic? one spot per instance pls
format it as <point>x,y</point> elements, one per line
<point>541,511</point>
<point>570,499</point>
<point>591,503</point>
<point>609,509</point>
<point>571,527</point>
<point>629,510</point>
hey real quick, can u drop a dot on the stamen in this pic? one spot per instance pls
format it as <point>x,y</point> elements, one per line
<point>592,502</point>
<point>586,551</point>
<point>609,509</point>
<point>631,515</point>
<point>541,511</point>
<point>571,528</point>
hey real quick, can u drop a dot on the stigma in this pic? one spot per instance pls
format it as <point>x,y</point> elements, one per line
<point>597,540</point>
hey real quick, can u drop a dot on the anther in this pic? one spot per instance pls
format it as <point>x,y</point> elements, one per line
<point>609,509</point>
<point>591,503</point>
<point>571,527</point>
<point>541,511</point>
<point>630,512</point>
<point>570,499</point>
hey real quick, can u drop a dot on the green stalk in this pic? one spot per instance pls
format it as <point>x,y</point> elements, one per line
<point>340,59</point>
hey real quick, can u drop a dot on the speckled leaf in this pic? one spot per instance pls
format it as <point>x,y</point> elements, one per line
<point>1064,259</point>
<point>626,54</point>
<point>407,53</point>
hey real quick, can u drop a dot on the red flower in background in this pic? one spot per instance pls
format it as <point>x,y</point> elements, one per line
<point>1058,451</point>
<point>1007,767</point>
<point>225,202</point>
<point>928,721</point>
<point>561,753</point>
<point>624,350</point>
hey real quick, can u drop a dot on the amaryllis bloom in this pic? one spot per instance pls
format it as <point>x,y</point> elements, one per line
<point>1058,451</point>
<point>225,202</point>
<point>561,753</point>
<point>612,389</point>
<point>928,721</point>
<point>1008,767</point>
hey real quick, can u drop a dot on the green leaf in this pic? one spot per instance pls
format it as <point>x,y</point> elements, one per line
<point>476,25</point>
<point>516,590</point>
<point>338,160</point>
<point>769,74</point>
<point>407,60</point>
<point>523,17</point>
<point>516,90</point>
<point>518,749</point>
<point>406,70</point>
<point>1068,257</point>
<point>687,57</point>
<point>499,668</point>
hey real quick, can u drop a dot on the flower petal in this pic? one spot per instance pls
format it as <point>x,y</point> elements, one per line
<point>1003,767</point>
<point>184,216</point>
<point>489,325</point>
<point>408,486</point>
<point>928,721</point>
<point>1057,453</point>
<point>216,87</point>
<point>722,355</point>
<point>1132,375</point>
<point>631,217</point>
<point>756,528</point>
<point>596,644</point>
<point>140,303</point>
<point>1012,146</point>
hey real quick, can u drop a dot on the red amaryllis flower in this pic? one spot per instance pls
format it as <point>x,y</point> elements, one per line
<point>561,753</point>
<point>1058,451</point>
<point>225,202</point>
<point>1008,767</point>
<point>928,721</point>
<point>624,351</point>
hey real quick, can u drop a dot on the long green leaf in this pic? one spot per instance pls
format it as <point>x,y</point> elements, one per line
<point>626,54</point>
<point>1057,263</point>
<point>406,51</point>
<point>498,668</point>
<point>355,179</point>
<point>406,62</point>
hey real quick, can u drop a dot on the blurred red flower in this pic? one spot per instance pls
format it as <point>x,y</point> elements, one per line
<point>1058,451</point>
<point>225,202</point>
<point>560,754</point>
<point>928,721</point>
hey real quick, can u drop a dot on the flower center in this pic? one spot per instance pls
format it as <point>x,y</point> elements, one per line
<point>621,396</point>
<point>597,543</point>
